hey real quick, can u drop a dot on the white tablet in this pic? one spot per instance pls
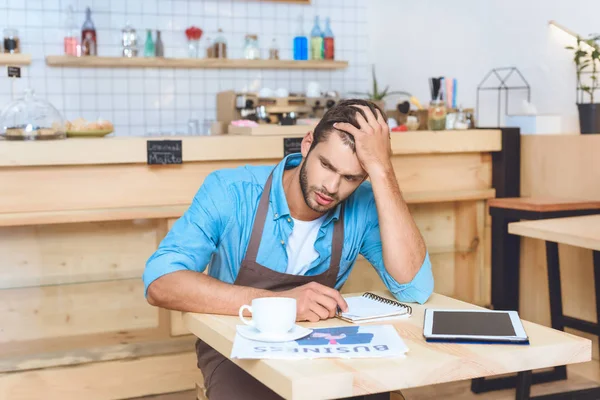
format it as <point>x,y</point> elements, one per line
<point>474,326</point>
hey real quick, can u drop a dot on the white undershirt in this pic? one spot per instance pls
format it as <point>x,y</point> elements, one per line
<point>300,246</point>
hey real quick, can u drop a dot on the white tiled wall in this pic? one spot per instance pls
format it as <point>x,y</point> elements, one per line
<point>143,101</point>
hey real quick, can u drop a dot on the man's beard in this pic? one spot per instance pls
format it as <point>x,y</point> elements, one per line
<point>306,191</point>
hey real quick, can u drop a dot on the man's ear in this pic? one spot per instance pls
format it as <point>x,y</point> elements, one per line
<point>306,144</point>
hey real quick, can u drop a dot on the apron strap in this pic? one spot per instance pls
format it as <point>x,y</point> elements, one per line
<point>259,222</point>
<point>337,242</point>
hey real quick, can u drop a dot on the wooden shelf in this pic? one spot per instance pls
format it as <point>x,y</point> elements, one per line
<point>159,62</point>
<point>95,215</point>
<point>15,59</point>
<point>448,196</point>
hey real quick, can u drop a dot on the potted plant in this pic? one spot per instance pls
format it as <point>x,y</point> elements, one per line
<point>586,58</point>
<point>378,97</point>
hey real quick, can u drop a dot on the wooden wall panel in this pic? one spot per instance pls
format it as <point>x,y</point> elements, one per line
<point>75,253</point>
<point>105,380</point>
<point>68,310</point>
<point>106,186</point>
<point>51,189</point>
<point>431,172</point>
<point>436,224</point>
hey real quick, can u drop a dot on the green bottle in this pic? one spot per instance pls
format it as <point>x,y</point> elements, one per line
<point>149,48</point>
<point>316,42</point>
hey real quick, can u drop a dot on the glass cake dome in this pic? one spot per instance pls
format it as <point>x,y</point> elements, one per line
<point>31,118</point>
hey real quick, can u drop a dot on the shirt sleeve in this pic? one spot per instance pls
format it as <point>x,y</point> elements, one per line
<point>195,236</point>
<point>419,289</point>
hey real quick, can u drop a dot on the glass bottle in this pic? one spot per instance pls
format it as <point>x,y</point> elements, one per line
<point>251,48</point>
<point>88,31</point>
<point>71,39</point>
<point>300,42</point>
<point>210,48</point>
<point>12,44</point>
<point>316,41</point>
<point>129,41</point>
<point>436,116</point>
<point>328,41</point>
<point>159,47</point>
<point>88,46</point>
<point>220,46</point>
<point>149,47</point>
<point>274,50</point>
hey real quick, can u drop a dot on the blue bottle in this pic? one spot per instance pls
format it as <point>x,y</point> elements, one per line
<point>300,42</point>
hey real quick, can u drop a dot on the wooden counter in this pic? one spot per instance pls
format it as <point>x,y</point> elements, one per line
<point>80,217</point>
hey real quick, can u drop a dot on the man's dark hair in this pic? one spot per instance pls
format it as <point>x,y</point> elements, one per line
<point>344,111</point>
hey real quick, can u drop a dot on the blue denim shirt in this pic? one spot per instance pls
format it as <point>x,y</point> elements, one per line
<point>216,230</point>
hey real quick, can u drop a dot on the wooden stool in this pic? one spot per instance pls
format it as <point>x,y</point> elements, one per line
<point>506,249</point>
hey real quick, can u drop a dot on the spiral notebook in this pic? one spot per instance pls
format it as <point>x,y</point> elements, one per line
<point>370,307</point>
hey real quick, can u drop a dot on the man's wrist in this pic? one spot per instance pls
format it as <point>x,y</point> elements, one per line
<point>380,171</point>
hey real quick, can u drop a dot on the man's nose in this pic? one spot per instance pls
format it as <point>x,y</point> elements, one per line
<point>332,184</point>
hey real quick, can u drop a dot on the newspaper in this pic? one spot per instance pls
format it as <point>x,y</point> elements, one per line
<point>373,341</point>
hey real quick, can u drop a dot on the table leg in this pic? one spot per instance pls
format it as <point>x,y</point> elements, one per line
<point>505,265</point>
<point>596,255</point>
<point>506,251</point>
<point>378,396</point>
<point>554,289</point>
<point>523,385</point>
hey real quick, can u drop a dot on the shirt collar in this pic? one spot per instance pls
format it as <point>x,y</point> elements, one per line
<point>277,197</point>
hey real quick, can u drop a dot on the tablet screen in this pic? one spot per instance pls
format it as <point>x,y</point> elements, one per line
<point>472,323</point>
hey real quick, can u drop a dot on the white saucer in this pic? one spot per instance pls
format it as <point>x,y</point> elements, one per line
<point>249,332</point>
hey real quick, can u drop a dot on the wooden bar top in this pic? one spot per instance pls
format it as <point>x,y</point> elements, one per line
<point>575,231</point>
<point>127,150</point>
<point>425,363</point>
<point>543,204</point>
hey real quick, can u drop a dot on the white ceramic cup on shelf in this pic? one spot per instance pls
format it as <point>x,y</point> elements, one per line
<point>271,315</point>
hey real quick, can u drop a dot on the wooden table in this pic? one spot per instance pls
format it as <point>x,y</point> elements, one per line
<point>575,231</point>
<point>425,363</point>
<point>583,231</point>
<point>506,268</point>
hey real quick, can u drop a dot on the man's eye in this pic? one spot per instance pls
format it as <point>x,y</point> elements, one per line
<point>350,178</point>
<point>324,165</point>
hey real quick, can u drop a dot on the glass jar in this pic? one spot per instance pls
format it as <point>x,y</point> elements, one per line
<point>251,49</point>
<point>210,48</point>
<point>274,50</point>
<point>31,118</point>
<point>12,44</point>
<point>461,120</point>
<point>436,116</point>
<point>220,45</point>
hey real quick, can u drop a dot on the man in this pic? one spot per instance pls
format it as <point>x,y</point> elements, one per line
<point>293,230</point>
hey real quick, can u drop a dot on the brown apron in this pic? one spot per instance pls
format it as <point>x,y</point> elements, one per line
<point>222,378</point>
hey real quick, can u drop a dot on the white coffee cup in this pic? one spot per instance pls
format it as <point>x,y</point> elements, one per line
<point>271,315</point>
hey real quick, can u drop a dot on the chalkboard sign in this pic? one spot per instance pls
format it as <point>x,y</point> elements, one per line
<point>162,152</point>
<point>14,72</point>
<point>291,145</point>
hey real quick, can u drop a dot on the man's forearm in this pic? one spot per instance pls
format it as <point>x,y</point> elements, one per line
<point>402,244</point>
<point>196,292</point>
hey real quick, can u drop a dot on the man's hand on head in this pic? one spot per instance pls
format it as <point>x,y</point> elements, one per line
<point>373,146</point>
